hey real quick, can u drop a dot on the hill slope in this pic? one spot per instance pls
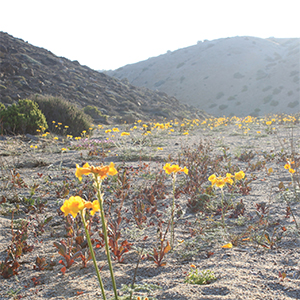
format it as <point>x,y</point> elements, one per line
<point>232,76</point>
<point>26,70</point>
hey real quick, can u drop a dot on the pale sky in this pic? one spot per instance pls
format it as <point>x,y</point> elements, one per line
<point>108,34</point>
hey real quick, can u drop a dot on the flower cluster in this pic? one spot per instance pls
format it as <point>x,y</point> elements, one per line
<point>174,169</point>
<point>101,171</point>
<point>287,166</point>
<point>221,181</point>
<point>75,204</point>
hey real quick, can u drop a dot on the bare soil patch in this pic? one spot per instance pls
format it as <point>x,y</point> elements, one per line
<point>249,270</point>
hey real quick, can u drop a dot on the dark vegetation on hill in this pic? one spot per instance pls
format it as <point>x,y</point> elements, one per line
<point>233,76</point>
<point>27,71</point>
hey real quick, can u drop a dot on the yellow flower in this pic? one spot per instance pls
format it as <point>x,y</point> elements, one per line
<point>56,138</point>
<point>85,170</point>
<point>59,124</point>
<point>292,171</point>
<point>228,179</point>
<point>93,205</point>
<point>174,169</point>
<point>287,166</point>
<point>116,129</point>
<point>159,148</point>
<point>220,182</point>
<point>102,171</point>
<point>229,245</point>
<point>269,122</point>
<point>53,122</point>
<point>186,133</point>
<point>212,178</point>
<point>73,206</point>
<point>64,149</point>
<point>239,175</point>
<point>108,131</point>
<point>66,126</point>
<point>125,133</point>
<point>193,266</point>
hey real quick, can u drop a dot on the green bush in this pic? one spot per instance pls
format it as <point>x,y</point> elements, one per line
<point>94,112</point>
<point>60,110</point>
<point>24,117</point>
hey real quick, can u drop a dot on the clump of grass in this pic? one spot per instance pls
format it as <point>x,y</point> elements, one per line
<point>200,277</point>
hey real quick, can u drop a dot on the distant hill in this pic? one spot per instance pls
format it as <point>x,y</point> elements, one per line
<point>26,70</point>
<point>231,76</point>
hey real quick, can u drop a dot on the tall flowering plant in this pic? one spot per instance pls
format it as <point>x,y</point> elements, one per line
<point>220,182</point>
<point>75,205</point>
<point>173,170</point>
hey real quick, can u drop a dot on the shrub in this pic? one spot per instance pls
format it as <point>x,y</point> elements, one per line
<point>24,117</point>
<point>95,113</point>
<point>60,110</point>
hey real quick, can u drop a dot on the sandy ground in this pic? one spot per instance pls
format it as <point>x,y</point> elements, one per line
<point>245,271</point>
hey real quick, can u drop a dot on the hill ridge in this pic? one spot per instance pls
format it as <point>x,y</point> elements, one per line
<point>229,76</point>
<point>26,70</point>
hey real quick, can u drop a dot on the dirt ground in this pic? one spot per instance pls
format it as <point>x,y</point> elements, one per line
<point>248,270</point>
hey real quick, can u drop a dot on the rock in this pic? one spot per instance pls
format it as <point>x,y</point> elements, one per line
<point>29,72</point>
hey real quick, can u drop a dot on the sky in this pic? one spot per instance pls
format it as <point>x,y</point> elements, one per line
<point>108,34</point>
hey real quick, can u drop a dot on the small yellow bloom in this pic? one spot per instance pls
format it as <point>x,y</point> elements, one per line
<point>228,246</point>
<point>73,206</point>
<point>125,133</point>
<point>287,166</point>
<point>53,122</point>
<point>186,133</point>
<point>59,124</point>
<point>102,171</point>
<point>268,122</point>
<point>64,149</point>
<point>159,148</point>
<point>193,266</point>
<point>55,138</point>
<point>94,205</point>
<point>108,131</point>
<point>239,175</point>
<point>174,169</point>
<point>292,171</point>
<point>116,129</point>
<point>66,126</point>
<point>220,182</point>
<point>85,170</point>
<point>228,179</point>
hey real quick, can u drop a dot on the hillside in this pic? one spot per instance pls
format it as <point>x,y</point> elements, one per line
<point>26,70</point>
<point>231,76</point>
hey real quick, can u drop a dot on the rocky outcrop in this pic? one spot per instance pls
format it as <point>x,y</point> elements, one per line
<point>231,76</point>
<point>26,70</point>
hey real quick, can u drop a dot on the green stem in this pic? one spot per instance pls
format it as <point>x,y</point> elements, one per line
<point>93,255</point>
<point>104,230</point>
<point>172,212</point>
<point>222,203</point>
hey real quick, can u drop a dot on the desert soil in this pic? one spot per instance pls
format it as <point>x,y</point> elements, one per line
<point>245,271</point>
